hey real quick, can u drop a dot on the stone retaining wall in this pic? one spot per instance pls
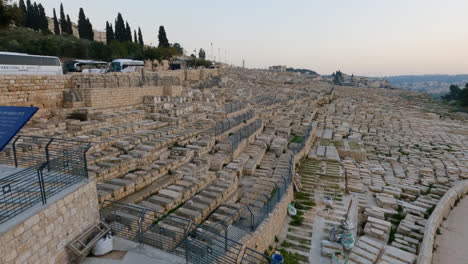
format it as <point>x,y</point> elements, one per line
<point>42,236</point>
<point>265,234</point>
<point>441,211</point>
<point>47,92</point>
<point>307,146</point>
<point>44,92</point>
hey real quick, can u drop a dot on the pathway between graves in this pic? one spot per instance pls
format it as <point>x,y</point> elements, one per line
<point>453,239</point>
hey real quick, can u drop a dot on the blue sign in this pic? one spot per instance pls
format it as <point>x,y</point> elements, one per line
<point>12,119</point>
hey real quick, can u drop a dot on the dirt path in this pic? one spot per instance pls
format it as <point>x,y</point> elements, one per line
<point>454,237</point>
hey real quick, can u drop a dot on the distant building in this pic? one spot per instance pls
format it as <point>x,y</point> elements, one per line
<point>278,68</point>
<point>99,36</point>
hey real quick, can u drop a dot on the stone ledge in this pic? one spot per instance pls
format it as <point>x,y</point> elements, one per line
<point>442,210</point>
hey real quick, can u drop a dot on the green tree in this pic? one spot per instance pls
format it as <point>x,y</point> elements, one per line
<point>63,20</point>
<point>163,41</point>
<point>22,7</point>
<point>140,38</point>
<point>42,19</point>
<point>10,13</point>
<point>135,37</point>
<point>120,32</point>
<point>202,54</point>
<point>463,96</point>
<point>4,18</point>
<point>35,17</point>
<point>338,78</point>
<point>69,26</point>
<point>82,25</point>
<point>453,94</point>
<point>90,30</point>
<point>178,48</point>
<point>109,33</point>
<point>128,32</point>
<point>56,24</point>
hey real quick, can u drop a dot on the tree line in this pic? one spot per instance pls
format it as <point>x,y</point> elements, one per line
<point>121,42</point>
<point>457,94</point>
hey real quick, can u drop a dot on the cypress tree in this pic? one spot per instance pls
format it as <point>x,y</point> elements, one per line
<point>28,15</point>
<point>63,20</point>
<point>128,32</point>
<point>35,17</point>
<point>22,7</point>
<point>120,33</point>
<point>82,25</point>
<point>135,38</point>
<point>140,37</point>
<point>56,24</point>
<point>163,41</point>
<point>69,26</point>
<point>90,30</point>
<point>44,23</point>
<point>109,33</point>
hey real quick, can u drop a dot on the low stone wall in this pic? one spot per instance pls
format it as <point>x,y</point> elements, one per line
<point>265,234</point>
<point>442,210</point>
<point>40,235</point>
<point>114,97</point>
<point>308,145</point>
<point>47,92</point>
<point>44,92</point>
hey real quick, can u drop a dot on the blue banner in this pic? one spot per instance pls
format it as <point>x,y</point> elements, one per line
<point>12,119</point>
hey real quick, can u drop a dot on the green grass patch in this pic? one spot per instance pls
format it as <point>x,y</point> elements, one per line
<point>292,258</point>
<point>297,139</point>
<point>297,220</point>
<point>302,196</point>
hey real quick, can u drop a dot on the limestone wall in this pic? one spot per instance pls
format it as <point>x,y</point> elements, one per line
<point>442,210</point>
<point>307,146</point>
<point>265,234</point>
<point>42,238</point>
<point>49,92</point>
<point>114,97</point>
<point>44,92</point>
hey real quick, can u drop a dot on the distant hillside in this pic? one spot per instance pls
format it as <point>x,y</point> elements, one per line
<point>303,71</point>
<point>434,84</point>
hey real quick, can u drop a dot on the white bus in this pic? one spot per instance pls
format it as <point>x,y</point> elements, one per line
<point>22,63</point>
<point>125,65</point>
<point>85,66</point>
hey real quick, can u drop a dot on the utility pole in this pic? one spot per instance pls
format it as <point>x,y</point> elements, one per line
<point>212,51</point>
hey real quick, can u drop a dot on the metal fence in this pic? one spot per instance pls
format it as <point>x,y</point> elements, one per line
<point>244,133</point>
<point>263,205</point>
<point>230,123</point>
<point>26,151</point>
<point>179,236</point>
<point>39,168</point>
<point>234,106</point>
<point>297,147</point>
<point>197,243</point>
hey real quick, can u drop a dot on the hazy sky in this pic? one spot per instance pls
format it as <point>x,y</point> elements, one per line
<point>364,37</point>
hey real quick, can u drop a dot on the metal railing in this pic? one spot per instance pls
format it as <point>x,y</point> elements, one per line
<point>243,133</point>
<point>229,123</point>
<point>39,168</point>
<point>297,147</point>
<point>179,236</point>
